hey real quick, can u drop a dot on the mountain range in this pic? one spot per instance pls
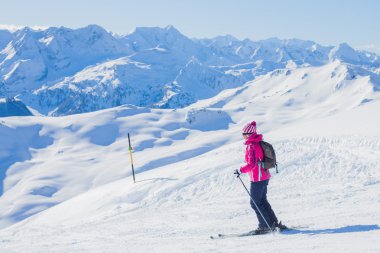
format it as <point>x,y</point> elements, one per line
<point>62,71</point>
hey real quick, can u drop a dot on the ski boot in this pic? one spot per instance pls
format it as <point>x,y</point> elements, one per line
<point>281,227</point>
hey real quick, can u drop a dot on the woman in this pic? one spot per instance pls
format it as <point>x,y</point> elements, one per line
<point>259,180</point>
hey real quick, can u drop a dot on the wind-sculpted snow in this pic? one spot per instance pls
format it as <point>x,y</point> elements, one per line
<point>71,155</point>
<point>352,160</point>
<point>18,145</point>
<point>103,135</point>
<point>21,145</point>
<point>326,185</point>
<point>207,119</point>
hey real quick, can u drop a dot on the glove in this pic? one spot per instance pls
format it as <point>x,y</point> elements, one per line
<point>237,173</point>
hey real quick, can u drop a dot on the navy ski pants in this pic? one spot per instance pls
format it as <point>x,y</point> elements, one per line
<point>259,195</point>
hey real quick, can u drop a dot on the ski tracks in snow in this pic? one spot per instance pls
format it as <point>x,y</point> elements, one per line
<point>329,184</point>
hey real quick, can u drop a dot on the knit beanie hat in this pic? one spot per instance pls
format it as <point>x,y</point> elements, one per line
<point>250,128</point>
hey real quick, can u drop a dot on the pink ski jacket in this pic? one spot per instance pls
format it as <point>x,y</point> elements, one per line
<point>254,154</point>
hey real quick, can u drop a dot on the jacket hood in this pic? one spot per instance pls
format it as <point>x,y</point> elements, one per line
<point>254,138</point>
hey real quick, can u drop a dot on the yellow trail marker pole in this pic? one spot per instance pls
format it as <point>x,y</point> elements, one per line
<point>130,154</point>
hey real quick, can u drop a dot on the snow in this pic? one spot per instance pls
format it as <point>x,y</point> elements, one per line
<point>46,40</point>
<point>14,28</point>
<point>78,171</point>
<point>66,183</point>
<point>169,210</point>
<point>47,68</point>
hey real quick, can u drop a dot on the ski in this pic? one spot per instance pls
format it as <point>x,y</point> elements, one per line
<point>222,236</point>
<point>251,233</point>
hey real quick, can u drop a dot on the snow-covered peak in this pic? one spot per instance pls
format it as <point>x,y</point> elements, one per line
<point>168,30</point>
<point>171,29</point>
<point>150,37</point>
<point>93,28</point>
<point>274,42</point>
<point>15,28</point>
<point>344,52</point>
<point>219,41</point>
<point>9,28</point>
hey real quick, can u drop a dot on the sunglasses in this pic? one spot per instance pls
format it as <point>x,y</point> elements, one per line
<point>245,134</point>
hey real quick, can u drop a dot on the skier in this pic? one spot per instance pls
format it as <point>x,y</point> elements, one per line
<point>259,180</point>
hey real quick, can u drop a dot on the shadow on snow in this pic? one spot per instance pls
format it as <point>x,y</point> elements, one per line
<point>347,229</point>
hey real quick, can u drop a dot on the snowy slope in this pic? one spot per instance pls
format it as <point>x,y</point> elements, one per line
<point>322,121</point>
<point>278,99</point>
<point>49,160</point>
<point>297,94</point>
<point>328,184</point>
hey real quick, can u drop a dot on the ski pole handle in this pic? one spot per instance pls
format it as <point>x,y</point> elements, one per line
<point>237,173</point>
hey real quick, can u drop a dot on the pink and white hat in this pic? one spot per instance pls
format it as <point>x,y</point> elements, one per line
<point>250,128</point>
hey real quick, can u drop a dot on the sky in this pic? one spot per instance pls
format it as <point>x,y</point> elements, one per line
<point>328,22</point>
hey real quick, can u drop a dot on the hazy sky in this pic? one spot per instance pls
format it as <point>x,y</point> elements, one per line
<point>328,22</point>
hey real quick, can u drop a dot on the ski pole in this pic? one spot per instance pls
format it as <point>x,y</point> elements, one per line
<point>130,154</point>
<point>238,176</point>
